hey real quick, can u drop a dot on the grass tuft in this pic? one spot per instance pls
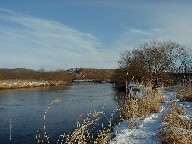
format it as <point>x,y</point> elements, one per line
<point>177,127</point>
<point>185,93</point>
<point>148,103</point>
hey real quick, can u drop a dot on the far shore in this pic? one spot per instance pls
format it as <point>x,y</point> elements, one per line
<point>14,84</point>
<point>91,80</point>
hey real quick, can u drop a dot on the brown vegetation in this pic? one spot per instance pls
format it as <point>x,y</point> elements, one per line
<point>154,61</point>
<point>138,107</point>
<point>177,127</point>
<point>83,134</point>
<point>185,93</point>
<point>84,131</point>
<point>22,78</point>
<point>62,75</point>
<point>94,74</point>
<point>28,74</point>
<point>25,78</point>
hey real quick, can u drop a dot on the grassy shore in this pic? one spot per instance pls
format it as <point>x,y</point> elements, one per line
<point>14,84</point>
<point>157,116</point>
<point>177,127</point>
<point>148,103</point>
<point>185,93</point>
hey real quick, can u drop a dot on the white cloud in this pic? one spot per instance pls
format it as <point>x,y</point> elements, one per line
<point>134,37</point>
<point>32,42</point>
<point>170,21</point>
<point>178,29</point>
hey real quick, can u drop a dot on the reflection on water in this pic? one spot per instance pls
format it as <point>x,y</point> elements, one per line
<point>26,109</point>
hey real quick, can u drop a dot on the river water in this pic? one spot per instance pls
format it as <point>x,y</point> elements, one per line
<point>25,108</point>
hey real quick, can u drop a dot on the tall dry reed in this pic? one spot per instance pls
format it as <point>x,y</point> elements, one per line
<point>42,135</point>
<point>177,127</point>
<point>144,105</point>
<point>185,92</point>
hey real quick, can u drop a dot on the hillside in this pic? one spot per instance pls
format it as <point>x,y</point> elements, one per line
<point>93,74</point>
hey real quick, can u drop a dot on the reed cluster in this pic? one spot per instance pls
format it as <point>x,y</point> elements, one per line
<point>185,93</point>
<point>87,130</point>
<point>144,105</point>
<point>177,127</point>
<point>104,135</point>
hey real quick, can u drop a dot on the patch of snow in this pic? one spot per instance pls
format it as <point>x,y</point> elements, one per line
<point>144,133</point>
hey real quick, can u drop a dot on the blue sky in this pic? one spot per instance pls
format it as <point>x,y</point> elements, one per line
<point>60,34</point>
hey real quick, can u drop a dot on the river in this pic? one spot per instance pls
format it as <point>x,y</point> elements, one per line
<point>25,108</point>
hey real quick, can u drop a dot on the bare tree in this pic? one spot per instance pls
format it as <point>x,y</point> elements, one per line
<point>153,60</point>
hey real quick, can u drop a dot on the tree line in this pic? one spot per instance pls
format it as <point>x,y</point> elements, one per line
<point>57,75</point>
<point>29,74</point>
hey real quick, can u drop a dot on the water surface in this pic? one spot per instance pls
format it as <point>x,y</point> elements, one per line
<point>25,107</point>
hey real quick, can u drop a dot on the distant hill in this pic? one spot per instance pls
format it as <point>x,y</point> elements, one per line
<point>95,74</point>
<point>17,73</point>
<point>62,75</point>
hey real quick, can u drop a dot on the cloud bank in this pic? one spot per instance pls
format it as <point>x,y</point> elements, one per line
<point>169,24</point>
<point>33,43</point>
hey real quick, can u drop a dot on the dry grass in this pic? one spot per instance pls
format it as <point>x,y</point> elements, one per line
<point>185,93</point>
<point>42,135</point>
<point>86,132</point>
<point>173,135</point>
<point>83,134</point>
<point>148,103</point>
<point>177,128</point>
<point>104,136</point>
<point>95,74</point>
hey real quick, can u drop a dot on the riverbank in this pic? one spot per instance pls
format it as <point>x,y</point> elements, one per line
<point>25,78</point>
<point>152,128</point>
<point>14,84</point>
<point>93,80</point>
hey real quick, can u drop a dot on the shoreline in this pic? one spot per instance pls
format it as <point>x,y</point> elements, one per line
<point>93,80</point>
<point>16,84</point>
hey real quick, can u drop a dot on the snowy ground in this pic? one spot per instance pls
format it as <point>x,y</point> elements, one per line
<point>146,128</point>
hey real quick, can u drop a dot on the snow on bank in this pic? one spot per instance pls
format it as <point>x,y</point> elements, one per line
<point>145,129</point>
<point>144,133</point>
<point>9,84</point>
<point>13,84</point>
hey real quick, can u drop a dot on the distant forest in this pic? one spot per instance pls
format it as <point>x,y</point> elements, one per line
<point>58,75</point>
